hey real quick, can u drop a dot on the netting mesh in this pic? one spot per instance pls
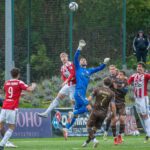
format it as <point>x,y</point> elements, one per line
<point>99,22</point>
<point>2,40</point>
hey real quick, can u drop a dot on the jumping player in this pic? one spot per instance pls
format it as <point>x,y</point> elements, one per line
<point>140,81</point>
<point>120,89</point>
<point>13,88</point>
<point>113,72</point>
<point>82,79</point>
<point>68,85</point>
<point>104,98</point>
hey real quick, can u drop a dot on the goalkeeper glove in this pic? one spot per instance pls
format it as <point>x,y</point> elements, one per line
<point>82,43</point>
<point>106,60</point>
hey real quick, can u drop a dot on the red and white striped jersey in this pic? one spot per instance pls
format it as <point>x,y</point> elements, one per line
<point>140,82</point>
<point>68,72</point>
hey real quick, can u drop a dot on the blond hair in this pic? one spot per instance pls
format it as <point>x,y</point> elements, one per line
<point>63,54</point>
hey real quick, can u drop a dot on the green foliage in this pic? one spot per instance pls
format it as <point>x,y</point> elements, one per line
<point>48,89</point>
<point>41,64</point>
<point>138,15</point>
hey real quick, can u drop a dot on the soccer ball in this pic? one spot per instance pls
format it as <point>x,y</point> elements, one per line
<point>73,6</point>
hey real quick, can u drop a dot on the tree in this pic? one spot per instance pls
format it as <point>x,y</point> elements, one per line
<point>41,65</point>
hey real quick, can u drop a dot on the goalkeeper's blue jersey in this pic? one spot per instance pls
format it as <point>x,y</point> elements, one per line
<point>83,74</point>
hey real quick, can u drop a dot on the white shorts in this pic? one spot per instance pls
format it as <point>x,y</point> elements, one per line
<point>8,116</point>
<point>142,105</point>
<point>68,91</point>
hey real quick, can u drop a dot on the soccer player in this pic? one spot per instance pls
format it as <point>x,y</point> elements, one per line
<point>113,72</point>
<point>82,79</point>
<point>120,90</point>
<point>68,85</point>
<point>13,88</point>
<point>140,81</point>
<point>104,98</point>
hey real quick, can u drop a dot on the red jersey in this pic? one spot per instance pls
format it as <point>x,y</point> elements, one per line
<point>13,89</point>
<point>68,72</point>
<point>140,82</point>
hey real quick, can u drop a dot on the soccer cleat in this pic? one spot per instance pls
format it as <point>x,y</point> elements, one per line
<point>105,136</point>
<point>44,115</point>
<point>65,133</point>
<point>120,139</point>
<point>1,148</point>
<point>146,139</point>
<point>95,143</point>
<point>9,144</point>
<point>84,144</point>
<point>116,141</point>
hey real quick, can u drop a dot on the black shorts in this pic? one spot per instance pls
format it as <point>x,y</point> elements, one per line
<point>96,119</point>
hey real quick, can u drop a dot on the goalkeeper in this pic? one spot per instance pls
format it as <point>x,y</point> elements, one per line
<point>82,79</point>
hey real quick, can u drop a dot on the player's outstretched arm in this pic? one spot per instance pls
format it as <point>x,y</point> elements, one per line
<point>82,43</point>
<point>32,87</point>
<point>100,67</point>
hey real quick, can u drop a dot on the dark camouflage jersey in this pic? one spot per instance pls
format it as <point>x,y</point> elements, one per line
<point>104,96</point>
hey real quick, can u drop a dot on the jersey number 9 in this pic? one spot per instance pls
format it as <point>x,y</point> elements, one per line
<point>10,92</point>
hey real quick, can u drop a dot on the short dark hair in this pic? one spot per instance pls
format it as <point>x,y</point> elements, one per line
<point>142,64</point>
<point>122,71</point>
<point>15,72</point>
<point>107,81</point>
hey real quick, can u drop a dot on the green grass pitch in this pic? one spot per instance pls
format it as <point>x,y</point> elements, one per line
<point>74,143</point>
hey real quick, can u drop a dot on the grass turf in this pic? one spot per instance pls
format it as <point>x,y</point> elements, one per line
<point>74,143</point>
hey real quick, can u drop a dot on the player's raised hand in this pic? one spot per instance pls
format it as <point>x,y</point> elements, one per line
<point>106,60</point>
<point>82,43</point>
<point>33,85</point>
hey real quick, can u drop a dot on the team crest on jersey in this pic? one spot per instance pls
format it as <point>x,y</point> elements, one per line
<point>138,81</point>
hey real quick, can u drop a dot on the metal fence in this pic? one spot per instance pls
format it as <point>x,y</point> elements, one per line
<point>42,31</point>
